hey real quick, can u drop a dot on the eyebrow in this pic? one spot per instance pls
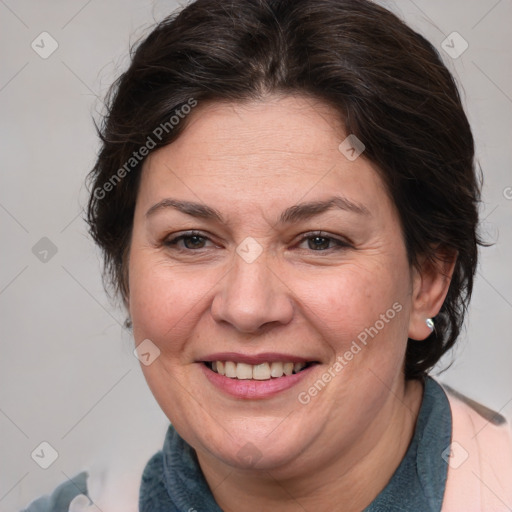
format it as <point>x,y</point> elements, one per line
<point>298,212</point>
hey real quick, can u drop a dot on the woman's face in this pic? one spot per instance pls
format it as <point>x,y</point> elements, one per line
<point>256,282</point>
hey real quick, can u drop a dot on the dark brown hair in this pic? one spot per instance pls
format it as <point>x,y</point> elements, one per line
<point>387,82</point>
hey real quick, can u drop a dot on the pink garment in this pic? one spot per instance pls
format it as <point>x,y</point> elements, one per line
<point>480,459</point>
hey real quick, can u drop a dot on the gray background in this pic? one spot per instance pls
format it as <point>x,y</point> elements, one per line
<point>68,375</point>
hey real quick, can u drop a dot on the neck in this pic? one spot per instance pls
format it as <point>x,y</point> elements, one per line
<point>354,477</point>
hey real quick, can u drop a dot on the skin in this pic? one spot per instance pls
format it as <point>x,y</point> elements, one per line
<point>250,162</point>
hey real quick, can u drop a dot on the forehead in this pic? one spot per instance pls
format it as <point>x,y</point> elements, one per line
<point>282,148</point>
<point>264,130</point>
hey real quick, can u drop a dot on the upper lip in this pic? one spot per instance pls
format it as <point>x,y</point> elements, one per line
<point>253,359</point>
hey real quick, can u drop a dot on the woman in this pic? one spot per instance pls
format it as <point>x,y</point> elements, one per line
<point>287,204</point>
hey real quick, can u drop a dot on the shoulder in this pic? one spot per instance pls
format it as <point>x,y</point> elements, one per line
<point>63,495</point>
<point>479,426</point>
<point>471,407</point>
<point>110,480</point>
<point>110,488</point>
<point>479,457</point>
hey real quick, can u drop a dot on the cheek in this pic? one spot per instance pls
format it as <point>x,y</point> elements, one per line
<point>350,299</point>
<point>164,301</point>
<point>361,312</point>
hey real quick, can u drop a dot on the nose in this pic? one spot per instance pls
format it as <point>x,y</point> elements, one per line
<point>251,296</point>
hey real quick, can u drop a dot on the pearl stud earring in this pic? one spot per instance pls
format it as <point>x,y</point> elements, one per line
<point>430,323</point>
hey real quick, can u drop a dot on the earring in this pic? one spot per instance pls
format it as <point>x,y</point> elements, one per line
<point>430,323</point>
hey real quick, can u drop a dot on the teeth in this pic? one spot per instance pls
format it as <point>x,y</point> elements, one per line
<point>243,371</point>
<point>230,369</point>
<point>263,371</point>
<point>276,369</point>
<point>297,367</point>
<point>288,368</point>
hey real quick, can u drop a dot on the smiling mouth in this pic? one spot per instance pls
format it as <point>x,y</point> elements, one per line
<point>263,371</point>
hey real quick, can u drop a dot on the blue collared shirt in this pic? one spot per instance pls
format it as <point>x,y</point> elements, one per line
<point>173,481</point>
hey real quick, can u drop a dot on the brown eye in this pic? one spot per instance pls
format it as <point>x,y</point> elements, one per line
<point>189,241</point>
<point>320,243</point>
<point>193,242</point>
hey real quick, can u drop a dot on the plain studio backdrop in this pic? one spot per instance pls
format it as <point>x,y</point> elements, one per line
<point>68,374</point>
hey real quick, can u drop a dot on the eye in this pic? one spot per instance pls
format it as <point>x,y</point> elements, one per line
<point>319,242</point>
<point>191,241</point>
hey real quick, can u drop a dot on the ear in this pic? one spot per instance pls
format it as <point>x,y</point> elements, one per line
<point>430,284</point>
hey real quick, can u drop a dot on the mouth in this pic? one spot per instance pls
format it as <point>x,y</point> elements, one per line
<point>258,372</point>
<point>255,376</point>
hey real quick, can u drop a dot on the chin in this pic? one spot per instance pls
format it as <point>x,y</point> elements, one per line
<point>260,448</point>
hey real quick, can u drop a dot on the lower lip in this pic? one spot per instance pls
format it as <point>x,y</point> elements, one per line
<point>254,389</point>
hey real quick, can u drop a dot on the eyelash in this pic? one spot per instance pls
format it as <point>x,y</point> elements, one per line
<point>339,244</point>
